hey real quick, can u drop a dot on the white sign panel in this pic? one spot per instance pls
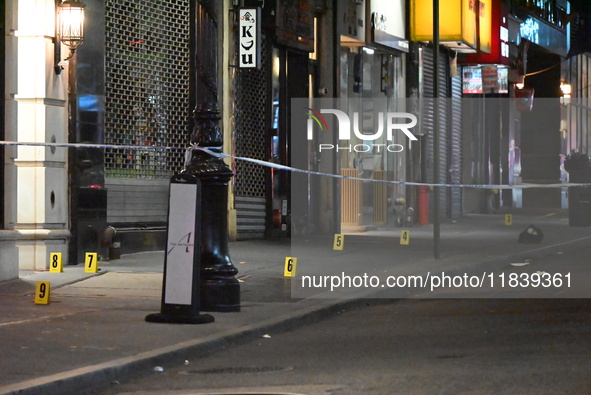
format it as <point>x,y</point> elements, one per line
<point>180,246</point>
<point>248,32</point>
<point>388,16</point>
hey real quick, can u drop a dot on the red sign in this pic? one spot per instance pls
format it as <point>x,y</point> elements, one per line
<point>499,53</point>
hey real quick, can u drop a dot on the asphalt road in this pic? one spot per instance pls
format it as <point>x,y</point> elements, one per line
<point>405,347</point>
<point>414,346</point>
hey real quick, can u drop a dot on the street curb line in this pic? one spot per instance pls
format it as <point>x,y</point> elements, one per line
<point>100,375</point>
<point>92,377</point>
<point>71,282</point>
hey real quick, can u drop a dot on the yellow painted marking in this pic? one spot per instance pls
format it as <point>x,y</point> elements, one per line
<point>508,219</point>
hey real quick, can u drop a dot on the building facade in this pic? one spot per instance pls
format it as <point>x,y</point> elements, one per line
<point>35,179</point>
<point>146,67</point>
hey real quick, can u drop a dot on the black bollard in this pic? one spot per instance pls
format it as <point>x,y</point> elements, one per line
<point>220,290</point>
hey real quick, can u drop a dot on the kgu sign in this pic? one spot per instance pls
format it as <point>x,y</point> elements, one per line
<point>249,38</point>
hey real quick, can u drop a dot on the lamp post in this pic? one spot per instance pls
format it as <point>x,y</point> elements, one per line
<point>198,272</point>
<point>220,290</point>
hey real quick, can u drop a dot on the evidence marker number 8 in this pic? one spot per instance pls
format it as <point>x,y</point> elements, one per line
<point>55,262</point>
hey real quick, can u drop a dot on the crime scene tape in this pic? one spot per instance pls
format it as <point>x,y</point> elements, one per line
<point>288,168</point>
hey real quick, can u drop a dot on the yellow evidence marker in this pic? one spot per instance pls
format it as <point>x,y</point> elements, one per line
<point>339,242</point>
<point>42,292</point>
<point>405,237</point>
<point>508,219</point>
<point>91,262</point>
<point>55,262</point>
<point>291,265</point>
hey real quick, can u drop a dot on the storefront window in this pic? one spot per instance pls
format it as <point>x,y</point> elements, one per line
<point>372,84</point>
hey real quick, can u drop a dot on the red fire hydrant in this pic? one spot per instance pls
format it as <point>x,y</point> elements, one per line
<point>423,205</point>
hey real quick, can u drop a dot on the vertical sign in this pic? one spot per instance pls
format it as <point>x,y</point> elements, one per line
<point>180,247</point>
<point>508,219</point>
<point>181,283</point>
<point>249,29</point>
<point>484,16</point>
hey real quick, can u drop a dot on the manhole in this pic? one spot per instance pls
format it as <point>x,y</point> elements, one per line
<point>238,370</point>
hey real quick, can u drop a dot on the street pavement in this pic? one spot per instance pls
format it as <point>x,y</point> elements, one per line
<point>93,332</point>
<point>410,346</point>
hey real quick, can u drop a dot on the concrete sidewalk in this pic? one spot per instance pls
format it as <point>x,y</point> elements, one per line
<point>93,332</point>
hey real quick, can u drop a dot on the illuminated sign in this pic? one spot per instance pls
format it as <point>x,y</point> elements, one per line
<point>379,21</point>
<point>388,16</point>
<point>504,38</point>
<point>544,35</point>
<point>530,30</point>
<point>497,41</point>
<point>471,80</point>
<point>487,78</point>
<point>485,26</point>
<point>388,24</point>
<point>457,23</point>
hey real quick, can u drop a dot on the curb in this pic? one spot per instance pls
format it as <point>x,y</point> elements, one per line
<point>97,376</point>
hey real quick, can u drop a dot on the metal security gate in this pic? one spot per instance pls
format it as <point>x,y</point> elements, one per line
<point>455,148</point>
<point>250,140</point>
<point>428,120</point>
<point>147,66</point>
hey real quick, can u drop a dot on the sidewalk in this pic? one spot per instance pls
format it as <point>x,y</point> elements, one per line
<point>93,332</point>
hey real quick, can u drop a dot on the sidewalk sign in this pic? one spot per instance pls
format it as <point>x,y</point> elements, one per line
<point>181,282</point>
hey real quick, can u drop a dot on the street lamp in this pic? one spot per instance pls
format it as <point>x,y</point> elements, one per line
<point>566,91</point>
<point>69,29</point>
